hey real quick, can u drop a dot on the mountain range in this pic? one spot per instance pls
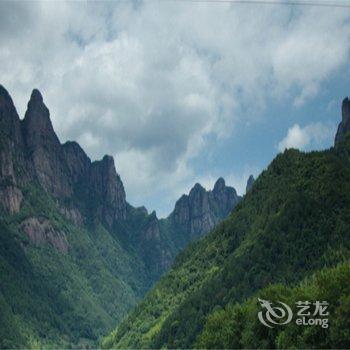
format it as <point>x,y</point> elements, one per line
<point>287,241</point>
<point>76,259</point>
<point>75,256</point>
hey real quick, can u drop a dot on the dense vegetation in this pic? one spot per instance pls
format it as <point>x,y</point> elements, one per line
<point>74,255</point>
<point>62,300</point>
<point>294,221</point>
<point>237,326</point>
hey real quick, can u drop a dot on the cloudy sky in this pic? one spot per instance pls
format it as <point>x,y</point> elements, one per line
<point>180,92</point>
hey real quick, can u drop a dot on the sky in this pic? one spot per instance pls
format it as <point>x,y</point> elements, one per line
<point>180,92</point>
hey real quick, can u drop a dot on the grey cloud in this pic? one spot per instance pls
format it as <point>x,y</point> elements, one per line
<point>150,80</point>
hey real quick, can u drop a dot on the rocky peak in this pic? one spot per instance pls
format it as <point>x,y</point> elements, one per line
<point>151,229</point>
<point>190,206</point>
<point>44,148</point>
<point>198,201</point>
<point>11,145</point>
<point>250,183</point>
<point>9,119</point>
<point>106,175</point>
<point>197,188</point>
<point>62,170</point>
<point>344,126</point>
<point>142,210</point>
<point>108,162</point>
<point>181,213</point>
<point>219,185</point>
<point>37,124</point>
<point>224,197</point>
<point>199,211</point>
<point>36,97</point>
<point>77,160</point>
<point>109,187</point>
<point>5,98</point>
<point>4,92</point>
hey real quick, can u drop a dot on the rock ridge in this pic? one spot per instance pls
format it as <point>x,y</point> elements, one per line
<point>61,169</point>
<point>344,125</point>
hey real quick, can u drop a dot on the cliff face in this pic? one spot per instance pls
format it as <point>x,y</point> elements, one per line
<point>250,255</point>
<point>107,183</point>
<point>62,220</point>
<point>66,229</point>
<point>92,193</point>
<point>64,171</point>
<point>194,215</point>
<point>44,149</point>
<point>153,246</point>
<point>344,126</point>
<point>200,210</point>
<point>11,144</point>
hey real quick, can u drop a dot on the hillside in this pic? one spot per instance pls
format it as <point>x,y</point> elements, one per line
<point>330,284</point>
<point>75,256</point>
<point>294,221</point>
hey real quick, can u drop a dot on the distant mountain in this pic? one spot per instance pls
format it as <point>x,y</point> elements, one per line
<point>198,212</point>
<point>75,256</point>
<point>157,241</point>
<point>293,223</point>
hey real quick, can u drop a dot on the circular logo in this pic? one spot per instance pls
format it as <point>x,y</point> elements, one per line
<point>274,315</point>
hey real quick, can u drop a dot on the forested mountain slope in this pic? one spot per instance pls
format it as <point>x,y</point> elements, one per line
<point>237,325</point>
<point>75,256</point>
<point>66,274</point>
<point>295,220</point>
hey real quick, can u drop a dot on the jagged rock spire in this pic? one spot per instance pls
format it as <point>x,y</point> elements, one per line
<point>106,181</point>
<point>250,183</point>
<point>344,126</point>
<point>199,211</point>
<point>10,149</point>
<point>5,98</point>
<point>37,124</point>
<point>9,119</point>
<point>36,96</point>
<point>219,185</point>
<point>225,196</point>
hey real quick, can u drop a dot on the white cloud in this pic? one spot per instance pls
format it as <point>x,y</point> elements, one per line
<point>149,81</point>
<point>88,140</point>
<point>311,136</point>
<point>309,53</point>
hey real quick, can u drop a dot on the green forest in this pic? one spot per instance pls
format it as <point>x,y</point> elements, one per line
<point>75,256</point>
<point>51,299</point>
<point>288,239</point>
<point>82,268</point>
<point>174,174</point>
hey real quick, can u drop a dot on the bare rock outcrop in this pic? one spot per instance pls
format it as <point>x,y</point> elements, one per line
<point>153,247</point>
<point>107,183</point>
<point>10,142</point>
<point>44,148</point>
<point>40,231</point>
<point>11,198</point>
<point>199,211</point>
<point>65,172</point>
<point>344,126</point>
<point>72,214</point>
